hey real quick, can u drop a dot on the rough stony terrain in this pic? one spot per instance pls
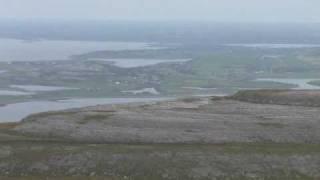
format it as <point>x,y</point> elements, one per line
<point>192,138</point>
<point>193,120</point>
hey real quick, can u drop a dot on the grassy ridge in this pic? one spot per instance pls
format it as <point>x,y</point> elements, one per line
<point>281,97</point>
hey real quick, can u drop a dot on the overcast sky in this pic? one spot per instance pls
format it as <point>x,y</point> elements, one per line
<point>204,10</point>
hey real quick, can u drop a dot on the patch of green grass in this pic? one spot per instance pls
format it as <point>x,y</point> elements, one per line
<point>272,125</point>
<point>283,149</point>
<point>280,177</point>
<point>48,114</point>
<point>275,175</point>
<point>190,99</point>
<point>157,161</point>
<point>63,178</point>
<point>95,117</point>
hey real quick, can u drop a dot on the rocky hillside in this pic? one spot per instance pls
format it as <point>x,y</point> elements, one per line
<point>193,120</point>
<point>193,138</point>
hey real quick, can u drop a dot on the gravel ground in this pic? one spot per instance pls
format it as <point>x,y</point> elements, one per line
<point>193,120</point>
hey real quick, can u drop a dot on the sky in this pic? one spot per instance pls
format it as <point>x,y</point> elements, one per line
<point>165,10</point>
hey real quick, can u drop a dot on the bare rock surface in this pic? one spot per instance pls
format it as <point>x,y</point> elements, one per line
<point>191,120</point>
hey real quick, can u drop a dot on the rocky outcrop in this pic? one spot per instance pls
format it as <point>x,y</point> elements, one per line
<point>192,120</point>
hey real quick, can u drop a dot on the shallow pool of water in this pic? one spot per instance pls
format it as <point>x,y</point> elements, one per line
<point>14,93</point>
<point>40,88</point>
<point>131,63</point>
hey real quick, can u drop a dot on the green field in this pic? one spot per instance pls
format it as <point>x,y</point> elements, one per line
<point>228,70</point>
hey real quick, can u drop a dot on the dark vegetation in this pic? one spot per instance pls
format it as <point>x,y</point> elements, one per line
<point>281,97</point>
